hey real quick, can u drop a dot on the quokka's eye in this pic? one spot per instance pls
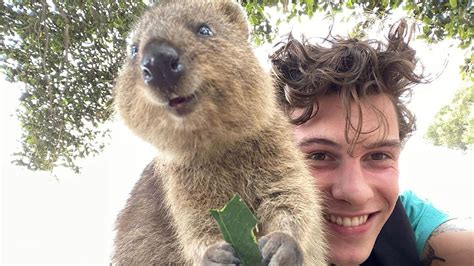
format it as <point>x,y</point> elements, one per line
<point>205,31</point>
<point>133,50</point>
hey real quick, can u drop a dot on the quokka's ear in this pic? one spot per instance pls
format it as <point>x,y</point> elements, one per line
<point>236,15</point>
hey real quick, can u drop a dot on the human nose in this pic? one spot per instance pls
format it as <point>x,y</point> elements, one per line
<point>351,184</point>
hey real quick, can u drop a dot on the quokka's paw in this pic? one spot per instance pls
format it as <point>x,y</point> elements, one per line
<point>279,248</point>
<point>221,253</point>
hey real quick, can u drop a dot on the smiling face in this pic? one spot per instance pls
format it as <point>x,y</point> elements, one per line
<point>361,186</point>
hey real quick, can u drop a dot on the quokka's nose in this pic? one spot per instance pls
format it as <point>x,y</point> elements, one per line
<point>161,65</point>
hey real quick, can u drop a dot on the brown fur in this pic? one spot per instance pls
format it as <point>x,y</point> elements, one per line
<point>236,140</point>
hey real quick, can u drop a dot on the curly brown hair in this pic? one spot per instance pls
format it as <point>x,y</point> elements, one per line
<point>351,68</point>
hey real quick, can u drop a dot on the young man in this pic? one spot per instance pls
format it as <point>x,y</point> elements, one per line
<point>347,103</point>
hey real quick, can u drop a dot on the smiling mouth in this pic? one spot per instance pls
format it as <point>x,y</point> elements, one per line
<point>182,105</point>
<point>347,221</point>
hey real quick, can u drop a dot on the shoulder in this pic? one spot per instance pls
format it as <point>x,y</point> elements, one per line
<point>424,217</point>
<point>450,243</point>
<point>440,239</point>
<point>421,211</point>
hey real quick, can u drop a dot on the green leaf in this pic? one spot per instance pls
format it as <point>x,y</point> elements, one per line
<point>349,4</point>
<point>453,3</point>
<point>236,223</point>
<point>395,4</point>
<point>309,7</point>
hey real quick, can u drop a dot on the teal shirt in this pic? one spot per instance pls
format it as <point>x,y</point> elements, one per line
<point>423,216</point>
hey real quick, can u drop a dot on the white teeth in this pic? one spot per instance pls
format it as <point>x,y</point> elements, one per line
<point>348,221</point>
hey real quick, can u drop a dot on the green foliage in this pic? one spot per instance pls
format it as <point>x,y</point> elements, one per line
<point>259,16</point>
<point>441,18</point>
<point>454,123</point>
<point>444,19</point>
<point>67,54</point>
<point>236,223</point>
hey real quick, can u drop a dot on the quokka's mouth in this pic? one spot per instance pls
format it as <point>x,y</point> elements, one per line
<point>175,102</point>
<point>182,105</point>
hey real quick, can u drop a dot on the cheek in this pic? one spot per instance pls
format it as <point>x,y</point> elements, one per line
<point>323,179</point>
<point>387,185</point>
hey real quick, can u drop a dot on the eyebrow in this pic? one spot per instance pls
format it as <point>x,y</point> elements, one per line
<point>384,143</point>
<point>308,141</point>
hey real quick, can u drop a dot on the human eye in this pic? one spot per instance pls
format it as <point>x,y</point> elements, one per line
<point>378,156</point>
<point>319,156</point>
<point>381,159</point>
<point>320,160</point>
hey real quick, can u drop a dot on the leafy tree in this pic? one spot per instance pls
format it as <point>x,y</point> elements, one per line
<point>454,123</point>
<point>67,54</point>
<point>441,18</point>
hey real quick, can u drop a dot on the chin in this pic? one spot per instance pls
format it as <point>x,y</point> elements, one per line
<point>356,257</point>
<point>350,262</point>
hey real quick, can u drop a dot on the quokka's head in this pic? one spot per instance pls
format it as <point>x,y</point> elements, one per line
<point>191,79</point>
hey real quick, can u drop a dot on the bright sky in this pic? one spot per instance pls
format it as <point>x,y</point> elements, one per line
<point>69,220</point>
